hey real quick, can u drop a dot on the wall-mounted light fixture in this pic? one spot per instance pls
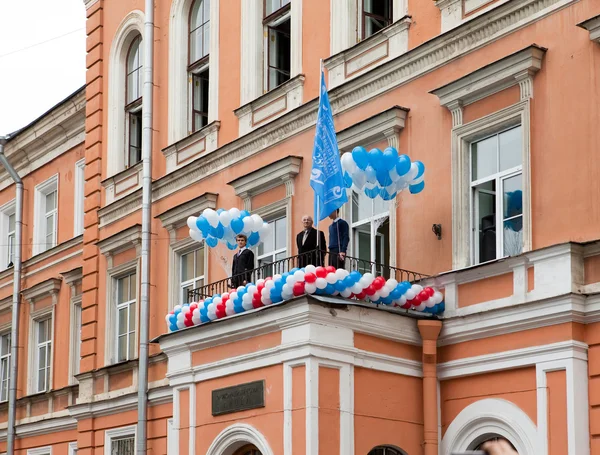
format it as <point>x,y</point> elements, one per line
<point>437,230</point>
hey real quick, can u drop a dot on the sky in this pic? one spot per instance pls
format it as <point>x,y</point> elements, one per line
<point>42,57</point>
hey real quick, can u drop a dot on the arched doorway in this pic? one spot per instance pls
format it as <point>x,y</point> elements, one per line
<point>386,450</point>
<point>478,443</point>
<point>248,449</point>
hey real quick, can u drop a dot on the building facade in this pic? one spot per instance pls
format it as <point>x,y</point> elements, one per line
<point>482,92</point>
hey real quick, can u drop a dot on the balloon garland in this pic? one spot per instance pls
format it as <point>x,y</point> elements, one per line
<point>382,174</point>
<point>223,226</point>
<point>307,280</point>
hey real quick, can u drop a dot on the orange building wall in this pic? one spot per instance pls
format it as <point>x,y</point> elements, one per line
<point>557,412</point>
<point>592,338</point>
<point>329,410</point>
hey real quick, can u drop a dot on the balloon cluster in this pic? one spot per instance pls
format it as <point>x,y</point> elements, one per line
<point>382,174</point>
<point>223,226</point>
<point>308,280</point>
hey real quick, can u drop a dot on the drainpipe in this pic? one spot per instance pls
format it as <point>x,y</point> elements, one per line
<point>430,331</point>
<point>14,333</point>
<point>146,225</point>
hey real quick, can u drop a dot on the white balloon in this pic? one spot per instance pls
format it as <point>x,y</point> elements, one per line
<point>266,301</point>
<point>348,163</point>
<point>438,297</point>
<point>356,288</point>
<point>177,308</point>
<point>290,280</point>
<point>240,289</point>
<point>247,305</point>
<point>264,231</point>
<point>410,294</point>
<point>211,216</point>
<point>310,268</point>
<point>286,295</point>
<point>259,282</point>
<point>346,293</point>
<point>196,235</point>
<point>421,307</point>
<point>247,298</point>
<point>232,297</point>
<point>430,302</point>
<point>235,212</point>
<point>310,288</point>
<point>340,274</point>
<point>211,315</point>
<point>359,179</point>
<point>384,292</point>
<point>212,307</point>
<point>251,289</point>
<point>248,224</point>
<point>330,278</point>
<point>287,289</point>
<point>299,275</point>
<point>167,318</point>
<point>196,320</point>
<point>191,222</point>
<point>229,311</point>
<point>394,175</point>
<point>269,284</point>
<point>265,292</point>
<point>258,222</point>
<point>391,284</point>
<point>416,288</point>
<point>402,301</point>
<point>370,174</point>
<point>321,283</point>
<point>217,300</point>
<point>414,170</point>
<point>180,324</point>
<point>368,278</point>
<point>276,277</point>
<point>225,218</point>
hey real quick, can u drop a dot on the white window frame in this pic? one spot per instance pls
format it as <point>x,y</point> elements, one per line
<point>125,305</point>
<point>273,23</point>
<point>113,275</point>
<point>498,178</point>
<point>194,281</point>
<point>115,433</point>
<point>279,215</point>
<point>47,450</point>
<point>277,209</point>
<point>79,191</point>
<point>73,448</point>
<point>8,357</point>
<point>359,18</point>
<point>462,137</point>
<point>6,211</point>
<point>75,338</point>
<point>40,215</point>
<point>36,318</point>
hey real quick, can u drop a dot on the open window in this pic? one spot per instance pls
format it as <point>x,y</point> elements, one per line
<point>133,103</point>
<point>375,15</point>
<point>277,23</point>
<point>198,69</point>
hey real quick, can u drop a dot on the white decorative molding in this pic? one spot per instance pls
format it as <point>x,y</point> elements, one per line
<point>176,217</point>
<point>386,125</point>
<point>273,104</point>
<point>251,56</point>
<point>191,147</point>
<point>89,3</point>
<point>237,436</point>
<point>121,241</point>
<point>113,433</point>
<point>40,451</point>
<point>385,45</point>
<point>47,288</point>
<point>491,416</point>
<point>46,138</point>
<point>492,78</point>
<point>593,27</point>
<point>130,27</point>
<point>270,176</point>
<point>456,109</point>
<point>123,183</point>
<point>423,59</point>
<point>178,83</point>
<point>72,276</point>
<point>451,13</point>
<point>472,5</point>
<point>73,448</point>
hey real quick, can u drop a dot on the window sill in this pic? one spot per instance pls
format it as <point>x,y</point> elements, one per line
<point>193,146</point>
<point>377,49</point>
<point>271,105</point>
<point>123,183</point>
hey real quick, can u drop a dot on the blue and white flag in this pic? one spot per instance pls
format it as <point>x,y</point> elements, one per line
<point>326,179</point>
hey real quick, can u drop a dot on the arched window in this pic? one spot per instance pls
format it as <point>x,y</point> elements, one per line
<point>133,102</point>
<point>247,450</point>
<point>481,440</point>
<point>386,450</point>
<point>198,55</point>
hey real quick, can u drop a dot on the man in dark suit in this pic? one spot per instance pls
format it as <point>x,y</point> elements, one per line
<point>243,263</point>
<point>306,241</point>
<point>339,237</point>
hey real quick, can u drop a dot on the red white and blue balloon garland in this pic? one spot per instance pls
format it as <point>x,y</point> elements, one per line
<point>308,280</point>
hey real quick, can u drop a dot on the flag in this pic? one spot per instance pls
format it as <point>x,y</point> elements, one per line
<point>326,178</point>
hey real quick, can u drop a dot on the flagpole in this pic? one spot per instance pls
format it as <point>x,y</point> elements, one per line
<point>318,214</point>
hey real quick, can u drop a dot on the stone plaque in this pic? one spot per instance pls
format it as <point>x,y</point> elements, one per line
<point>238,398</point>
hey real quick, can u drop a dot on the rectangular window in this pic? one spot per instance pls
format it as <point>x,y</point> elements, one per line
<point>135,136</point>
<point>76,343</point>
<point>4,366</point>
<point>497,195</point>
<point>192,272</point>
<point>277,24</point>
<point>376,15</point>
<point>78,197</point>
<point>274,247</point>
<point>200,99</point>
<point>124,445</point>
<point>43,342</point>
<point>46,216</point>
<point>126,314</point>
<point>10,239</point>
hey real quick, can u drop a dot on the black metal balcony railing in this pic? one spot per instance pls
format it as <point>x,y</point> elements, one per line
<point>284,265</point>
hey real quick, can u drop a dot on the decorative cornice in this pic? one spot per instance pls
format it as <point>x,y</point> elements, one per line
<point>128,238</point>
<point>6,303</point>
<point>504,73</point>
<point>374,129</point>
<point>191,146</point>
<point>41,290</point>
<point>72,275</point>
<point>177,216</point>
<point>120,208</point>
<point>593,27</point>
<point>89,3</point>
<point>263,179</point>
<point>61,247</point>
<point>270,96</point>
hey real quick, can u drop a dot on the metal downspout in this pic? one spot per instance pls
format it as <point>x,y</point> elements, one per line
<point>147,93</point>
<point>14,334</point>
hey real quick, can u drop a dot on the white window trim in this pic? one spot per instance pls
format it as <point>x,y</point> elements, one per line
<point>110,347</point>
<point>114,433</point>
<point>72,448</point>
<point>236,436</point>
<point>125,305</point>
<point>274,22</point>
<point>79,191</point>
<point>5,211</point>
<point>367,221</point>
<point>462,137</point>
<point>131,26</point>
<point>178,82</point>
<point>253,53</point>
<point>75,337</point>
<point>9,356</point>
<point>178,249</point>
<point>40,451</point>
<point>39,220</point>
<point>278,209</point>
<point>45,313</point>
<point>272,217</point>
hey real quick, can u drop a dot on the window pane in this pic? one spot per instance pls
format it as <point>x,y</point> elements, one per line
<point>42,331</point>
<point>5,345</point>
<point>134,73</point>
<point>280,233</point>
<point>510,148</point>
<point>132,287</point>
<point>206,39</point>
<point>122,321</point>
<point>513,196</point>
<point>122,446</point>
<point>122,287</point>
<point>484,157</point>
<point>187,267</point>
<point>513,236</point>
<point>200,262</point>
<point>273,5</point>
<point>122,348</point>
<point>485,222</point>
<point>267,245</point>
<point>50,201</point>
<point>279,53</point>
<point>41,380</point>
<point>49,225</point>
<point>42,357</point>
<point>132,317</point>
<point>135,138</point>
<point>11,223</point>
<point>184,295</point>
<point>131,346</point>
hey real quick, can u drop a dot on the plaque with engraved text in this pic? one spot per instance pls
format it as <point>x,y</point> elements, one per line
<point>238,398</point>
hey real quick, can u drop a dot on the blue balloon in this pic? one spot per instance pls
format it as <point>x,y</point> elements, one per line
<point>244,213</point>
<point>348,282</point>
<point>173,327</point>
<point>202,225</point>
<point>231,246</point>
<point>254,238</point>
<point>383,177</point>
<point>219,211</point>
<point>211,241</point>
<point>329,289</point>
<point>204,318</point>
<point>237,225</point>
<point>372,193</point>
<point>347,180</point>
<point>355,275</point>
<point>219,231</point>
<point>339,285</point>
<point>294,270</point>
<point>238,309</point>
<point>385,195</point>
<point>390,157</point>
<point>395,294</point>
<point>276,298</point>
<point>320,291</point>
<point>376,159</point>
<point>403,165</point>
<point>387,300</point>
<point>360,157</point>
<point>416,189</point>
<point>172,319</point>
<point>278,285</point>
<point>421,168</point>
